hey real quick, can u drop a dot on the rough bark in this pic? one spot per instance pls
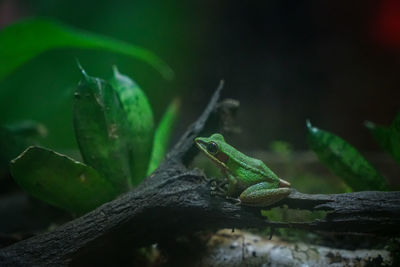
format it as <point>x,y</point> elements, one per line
<point>175,200</point>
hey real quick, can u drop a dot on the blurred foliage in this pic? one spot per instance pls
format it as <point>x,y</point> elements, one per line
<point>344,160</point>
<point>46,91</point>
<point>26,39</point>
<point>27,129</point>
<point>163,134</point>
<point>281,148</point>
<point>387,137</point>
<point>114,128</point>
<point>313,183</point>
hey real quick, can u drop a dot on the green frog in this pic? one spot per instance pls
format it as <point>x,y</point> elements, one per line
<point>248,178</point>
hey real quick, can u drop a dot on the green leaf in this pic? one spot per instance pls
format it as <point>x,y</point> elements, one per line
<point>26,39</point>
<point>163,135</point>
<point>61,181</point>
<point>100,130</point>
<point>344,160</point>
<point>139,124</point>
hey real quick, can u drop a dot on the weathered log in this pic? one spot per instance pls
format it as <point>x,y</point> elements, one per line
<point>174,201</point>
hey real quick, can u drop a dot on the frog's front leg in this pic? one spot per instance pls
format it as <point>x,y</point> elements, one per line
<point>263,194</point>
<point>232,185</point>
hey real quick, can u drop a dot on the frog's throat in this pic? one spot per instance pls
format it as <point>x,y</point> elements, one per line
<point>220,161</point>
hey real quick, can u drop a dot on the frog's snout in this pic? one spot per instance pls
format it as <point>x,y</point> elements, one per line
<point>283,183</point>
<point>199,141</point>
<point>196,141</point>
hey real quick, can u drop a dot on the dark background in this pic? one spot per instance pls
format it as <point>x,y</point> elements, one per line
<point>334,62</point>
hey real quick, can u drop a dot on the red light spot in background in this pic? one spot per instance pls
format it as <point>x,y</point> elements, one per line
<point>10,11</point>
<point>386,27</point>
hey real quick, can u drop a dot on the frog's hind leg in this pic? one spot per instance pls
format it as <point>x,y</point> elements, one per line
<point>263,194</point>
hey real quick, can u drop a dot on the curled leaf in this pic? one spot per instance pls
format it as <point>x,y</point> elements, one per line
<point>139,124</point>
<point>61,181</point>
<point>100,130</point>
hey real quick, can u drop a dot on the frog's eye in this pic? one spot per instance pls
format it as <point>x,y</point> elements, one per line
<point>212,147</point>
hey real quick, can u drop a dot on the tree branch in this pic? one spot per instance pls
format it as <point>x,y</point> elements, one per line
<point>174,201</point>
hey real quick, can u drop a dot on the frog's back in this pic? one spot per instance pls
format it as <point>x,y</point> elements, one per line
<point>251,170</point>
